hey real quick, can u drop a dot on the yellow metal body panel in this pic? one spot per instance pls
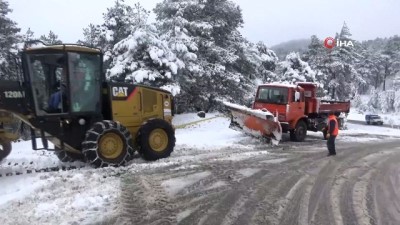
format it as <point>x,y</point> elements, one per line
<point>141,105</point>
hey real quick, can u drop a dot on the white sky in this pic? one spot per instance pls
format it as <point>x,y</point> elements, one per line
<point>270,21</point>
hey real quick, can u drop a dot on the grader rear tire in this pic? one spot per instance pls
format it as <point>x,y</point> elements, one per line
<point>108,143</point>
<point>5,149</point>
<point>156,139</point>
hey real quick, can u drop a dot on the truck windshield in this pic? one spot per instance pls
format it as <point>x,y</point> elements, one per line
<point>276,95</point>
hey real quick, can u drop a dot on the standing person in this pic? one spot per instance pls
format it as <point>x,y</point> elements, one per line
<point>332,132</point>
<point>57,101</point>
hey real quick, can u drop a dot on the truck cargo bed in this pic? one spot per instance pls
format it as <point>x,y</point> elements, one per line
<point>333,106</point>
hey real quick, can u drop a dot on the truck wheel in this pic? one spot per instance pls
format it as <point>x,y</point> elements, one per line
<point>108,143</point>
<point>156,139</point>
<point>299,134</point>
<point>292,135</point>
<point>5,149</point>
<point>65,156</point>
<point>368,122</point>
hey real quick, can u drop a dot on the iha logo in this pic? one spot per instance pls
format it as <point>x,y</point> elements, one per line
<point>330,42</point>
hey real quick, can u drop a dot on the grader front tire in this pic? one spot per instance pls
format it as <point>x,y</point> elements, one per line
<point>108,143</point>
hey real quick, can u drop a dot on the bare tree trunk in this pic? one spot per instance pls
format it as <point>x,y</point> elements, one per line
<point>333,88</point>
<point>385,75</point>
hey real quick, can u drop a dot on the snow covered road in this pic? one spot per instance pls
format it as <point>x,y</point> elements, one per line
<point>215,176</point>
<point>295,186</point>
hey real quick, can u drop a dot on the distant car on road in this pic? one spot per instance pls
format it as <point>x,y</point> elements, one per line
<point>373,119</point>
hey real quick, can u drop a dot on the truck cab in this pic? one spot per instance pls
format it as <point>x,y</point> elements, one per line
<point>297,108</point>
<point>285,101</point>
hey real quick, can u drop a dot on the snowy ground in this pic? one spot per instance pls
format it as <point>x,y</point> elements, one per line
<point>88,196</point>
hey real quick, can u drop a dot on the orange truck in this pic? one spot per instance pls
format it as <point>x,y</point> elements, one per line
<point>282,108</point>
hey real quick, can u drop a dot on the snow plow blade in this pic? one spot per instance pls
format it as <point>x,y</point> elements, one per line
<point>259,123</point>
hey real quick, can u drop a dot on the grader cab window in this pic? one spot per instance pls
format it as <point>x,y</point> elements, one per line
<point>62,86</point>
<point>46,79</point>
<point>84,78</point>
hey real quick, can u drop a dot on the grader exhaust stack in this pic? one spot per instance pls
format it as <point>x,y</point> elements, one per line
<point>256,122</point>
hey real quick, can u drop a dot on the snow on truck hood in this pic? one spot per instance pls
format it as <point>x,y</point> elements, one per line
<point>279,85</point>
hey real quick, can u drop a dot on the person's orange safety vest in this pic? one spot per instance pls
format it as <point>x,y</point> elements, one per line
<point>336,130</point>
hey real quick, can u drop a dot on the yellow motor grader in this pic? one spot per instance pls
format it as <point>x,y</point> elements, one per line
<point>63,95</point>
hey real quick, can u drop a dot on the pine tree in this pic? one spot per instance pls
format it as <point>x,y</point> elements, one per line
<point>396,103</point>
<point>8,40</point>
<point>28,36</point>
<point>315,57</point>
<point>224,70</point>
<point>293,70</point>
<point>268,57</point>
<point>118,23</point>
<point>261,62</point>
<point>374,99</point>
<point>391,58</point>
<point>92,37</point>
<point>342,75</point>
<point>370,69</point>
<point>172,27</point>
<point>383,102</point>
<point>143,57</point>
<point>356,102</point>
<point>50,39</point>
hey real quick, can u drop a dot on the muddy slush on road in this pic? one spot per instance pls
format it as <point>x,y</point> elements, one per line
<point>292,184</point>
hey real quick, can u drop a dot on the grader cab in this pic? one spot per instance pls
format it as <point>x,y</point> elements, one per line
<point>63,96</point>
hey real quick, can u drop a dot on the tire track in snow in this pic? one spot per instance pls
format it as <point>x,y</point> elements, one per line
<point>386,192</point>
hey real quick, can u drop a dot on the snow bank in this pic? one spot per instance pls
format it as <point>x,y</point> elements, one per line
<point>187,118</point>
<point>364,129</point>
<point>392,119</point>
<point>209,134</point>
<point>67,197</point>
<point>173,88</point>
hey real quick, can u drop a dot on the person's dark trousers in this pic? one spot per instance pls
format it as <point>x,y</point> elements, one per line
<point>331,145</point>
